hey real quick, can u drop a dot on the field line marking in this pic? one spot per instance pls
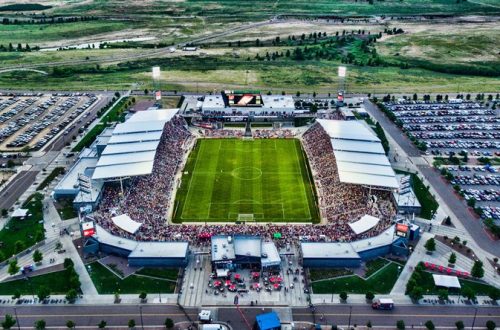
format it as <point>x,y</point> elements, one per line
<point>190,181</point>
<point>301,179</point>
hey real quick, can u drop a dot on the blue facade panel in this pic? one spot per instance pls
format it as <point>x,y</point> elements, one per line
<point>157,262</point>
<point>110,249</point>
<point>331,263</point>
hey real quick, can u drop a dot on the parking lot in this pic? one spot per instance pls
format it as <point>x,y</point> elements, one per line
<point>33,119</point>
<point>480,183</point>
<point>450,127</point>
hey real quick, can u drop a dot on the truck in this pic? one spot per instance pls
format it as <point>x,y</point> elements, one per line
<point>205,316</point>
<point>212,327</point>
<point>383,304</point>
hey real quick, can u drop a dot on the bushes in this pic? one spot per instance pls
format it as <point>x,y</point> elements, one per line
<point>50,177</point>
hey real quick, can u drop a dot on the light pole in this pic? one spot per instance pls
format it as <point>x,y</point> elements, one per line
<point>17,320</point>
<point>350,312</point>
<point>142,321</point>
<point>474,320</point>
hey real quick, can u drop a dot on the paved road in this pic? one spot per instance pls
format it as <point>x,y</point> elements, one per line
<point>16,188</point>
<point>445,191</point>
<point>444,316</point>
<point>155,315</point>
<point>90,316</point>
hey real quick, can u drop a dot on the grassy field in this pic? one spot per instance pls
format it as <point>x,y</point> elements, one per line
<point>108,283</point>
<point>382,282</point>
<point>56,282</point>
<point>33,34</point>
<point>165,273</point>
<point>227,177</point>
<point>28,231</point>
<point>426,282</point>
<point>205,74</point>
<point>230,10</point>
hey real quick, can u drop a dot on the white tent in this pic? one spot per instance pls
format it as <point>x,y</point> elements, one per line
<point>124,222</point>
<point>446,281</point>
<point>20,213</point>
<point>364,224</point>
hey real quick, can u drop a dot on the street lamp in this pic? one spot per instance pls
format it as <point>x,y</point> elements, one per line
<point>474,320</point>
<point>142,321</point>
<point>350,312</point>
<point>17,319</point>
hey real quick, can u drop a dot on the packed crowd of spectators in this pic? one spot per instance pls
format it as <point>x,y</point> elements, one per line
<point>341,203</point>
<point>147,198</point>
<point>272,133</point>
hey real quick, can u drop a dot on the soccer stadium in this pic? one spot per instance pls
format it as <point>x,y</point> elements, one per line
<point>156,178</point>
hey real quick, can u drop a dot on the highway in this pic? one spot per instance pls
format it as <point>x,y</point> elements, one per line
<point>441,316</point>
<point>117,316</point>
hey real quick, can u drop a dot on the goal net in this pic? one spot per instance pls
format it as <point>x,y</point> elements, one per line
<point>245,217</point>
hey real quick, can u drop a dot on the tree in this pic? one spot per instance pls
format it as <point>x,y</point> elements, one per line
<point>343,295</point>
<point>146,91</point>
<point>369,296</point>
<point>460,325</point>
<point>19,246</point>
<point>369,324</point>
<point>490,325</point>
<point>40,324</point>
<point>70,324</point>
<point>8,322</point>
<point>429,325</point>
<point>443,294</point>
<point>37,256</point>
<point>102,324</point>
<point>131,323</point>
<point>494,294</point>
<point>16,295</point>
<point>169,323</point>
<point>68,263</point>
<point>43,293</point>
<point>477,269</point>
<point>453,258</point>
<point>71,295</point>
<point>416,293</point>
<point>400,325</point>
<point>143,295</point>
<point>430,245</point>
<point>13,267</point>
<point>468,293</point>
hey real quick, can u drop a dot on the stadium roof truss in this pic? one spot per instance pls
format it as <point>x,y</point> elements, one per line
<point>359,154</point>
<point>132,147</point>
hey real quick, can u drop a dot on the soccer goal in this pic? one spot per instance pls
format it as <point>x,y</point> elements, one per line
<point>246,217</point>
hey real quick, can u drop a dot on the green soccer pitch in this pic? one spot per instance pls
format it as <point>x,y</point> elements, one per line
<point>228,180</point>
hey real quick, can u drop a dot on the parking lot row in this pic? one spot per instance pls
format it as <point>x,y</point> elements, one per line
<point>26,121</point>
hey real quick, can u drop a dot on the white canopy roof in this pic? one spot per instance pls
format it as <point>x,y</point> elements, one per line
<point>164,115</point>
<point>135,137</point>
<point>357,146</point>
<point>347,130</point>
<point>364,224</point>
<point>359,154</point>
<point>272,255</point>
<point>132,147</point>
<point>123,170</point>
<point>18,213</point>
<point>124,222</point>
<point>446,281</point>
<point>127,148</point>
<point>138,157</point>
<point>138,127</point>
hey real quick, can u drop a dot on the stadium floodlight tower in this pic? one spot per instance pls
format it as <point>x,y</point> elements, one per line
<point>156,73</point>
<point>342,73</point>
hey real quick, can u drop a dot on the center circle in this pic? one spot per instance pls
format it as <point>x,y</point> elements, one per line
<point>247,173</point>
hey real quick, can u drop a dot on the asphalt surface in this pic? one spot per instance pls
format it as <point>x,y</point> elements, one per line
<point>445,191</point>
<point>16,188</point>
<point>444,316</point>
<point>117,316</point>
<point>90,316</point>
